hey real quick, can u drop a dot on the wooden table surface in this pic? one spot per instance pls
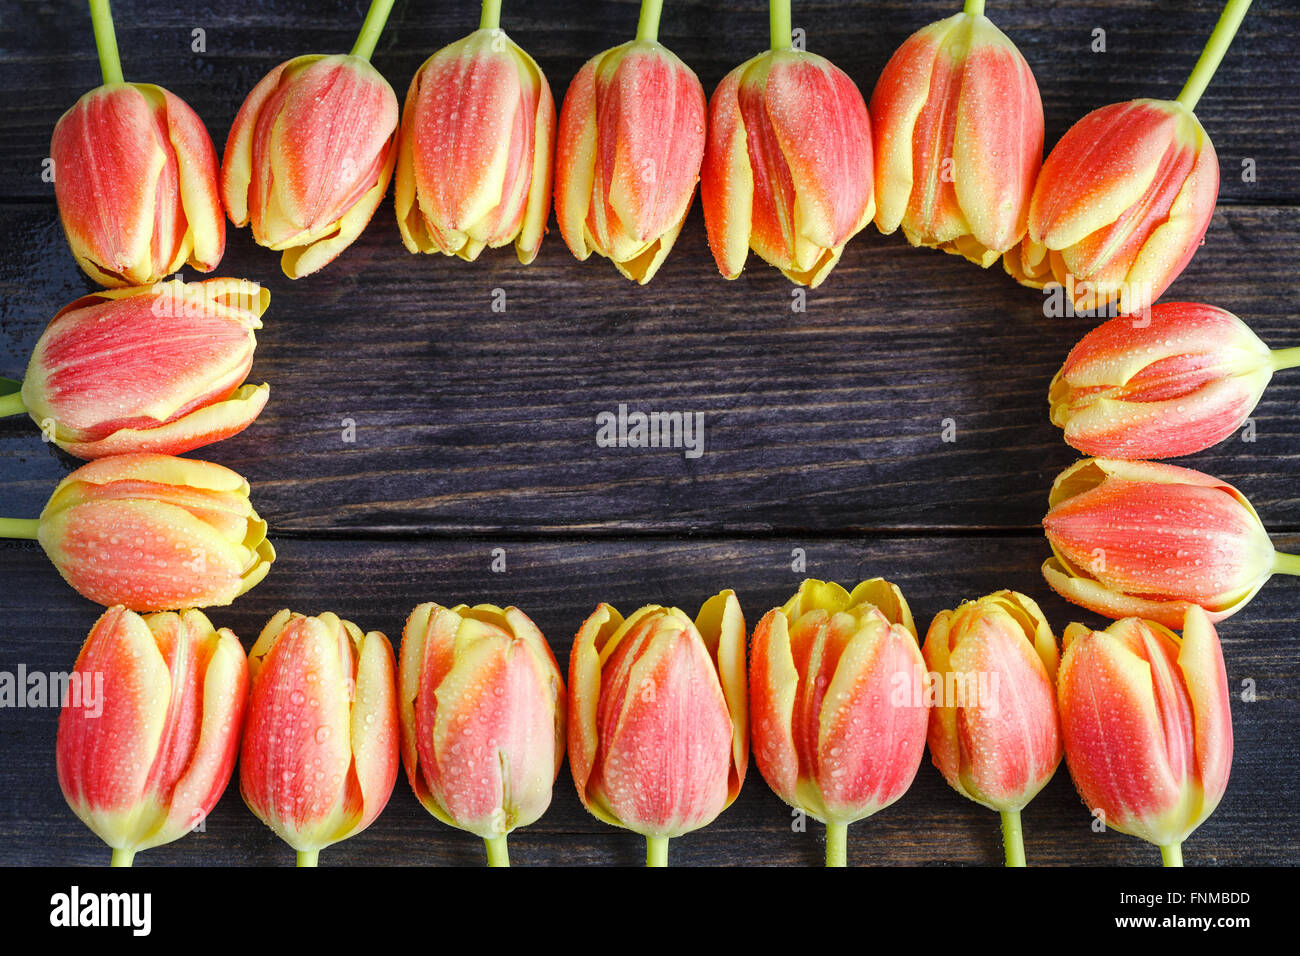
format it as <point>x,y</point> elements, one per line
<point>475,429</point>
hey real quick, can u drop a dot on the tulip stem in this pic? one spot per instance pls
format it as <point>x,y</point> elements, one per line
<point>498,855</point>
<point>778,19</point>
<point>656,851</point>
<point>12,404</point>
<point>101,19</point>
<point>974,8</point>
<point>1233,13</point>
<point>1286,563</point>
<point>1172,855</point>
<point>371,28</point>
<point>122,858</point>
<point>647,27</point>
<point>19,528</point>
<point>1013,841</point>
<point>308,857</point>
<point>490,18</point>
<point>837,844</point>
<point>1282,358</point>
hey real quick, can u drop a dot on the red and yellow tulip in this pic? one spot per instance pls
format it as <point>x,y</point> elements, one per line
<point>319,756</point>
<point>482,705</point>
<point>149,730</point>
<point>477,148</point>
<point>1147,726</point>
<point>1124,199</point>
<point>152,533</point>
<point>995,734</point>
<point>148,369</point>
<point>836,686</point>
<point>1142,539</point>
<point>958,129</point>
<point>658,718</point>
<point>1174,385</point>
<point>311,152</point>
<point>787,166</point>
<point>631,139</point>
<point>135,178</point>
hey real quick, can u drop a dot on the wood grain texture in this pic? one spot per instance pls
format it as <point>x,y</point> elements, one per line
<point>376,583</point>
<point>476,429</point>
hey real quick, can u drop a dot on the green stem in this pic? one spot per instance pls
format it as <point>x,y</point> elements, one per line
<point>974,8</point>
<point>647,27</point>
<point>101,18</point>
<point>1013,841</point>
<point>122,858</point>
<point>1172,855</point>
<point>1282,358</point>
<point>490,18</point>
<point>837,844</point>
<point>19,528</point>
<point>308,857</point>
<point>12,404</point>
<point>498,855</point>
<point>778,19</point>
<point>1282,563</point>
<point>1233,13</point>
<point>656,851</point>
<point>371,28</point>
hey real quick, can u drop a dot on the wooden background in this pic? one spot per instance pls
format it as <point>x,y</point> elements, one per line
<point>475,430</point>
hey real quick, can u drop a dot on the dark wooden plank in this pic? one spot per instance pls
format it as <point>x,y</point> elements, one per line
<point>468,420</point>
<point>47,53</point>
<point>376,583</point>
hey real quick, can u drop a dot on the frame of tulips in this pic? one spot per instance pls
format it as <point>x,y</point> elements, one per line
<point>835,696</point>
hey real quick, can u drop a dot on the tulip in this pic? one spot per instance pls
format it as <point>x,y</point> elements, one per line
<point>658,721</point>
<point>475,158</point>
<point>149,369</point>
<point>1147,726</point>
<point>135,177</point>
<point>1141,539</point>
<point>150,726</point>
<point>152,533</point>
<point>481,702</point>
<point>311,152</point>
<point>836,682</point>
<point>958,128</point>
<point>631,140</point>
<point>1175,385</point>
<point>995,734</point>
<point>1124,199</point>
<point>319,757</point>
<point>787,165</point>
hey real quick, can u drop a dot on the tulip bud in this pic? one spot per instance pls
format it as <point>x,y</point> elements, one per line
<point>309,157</point>
<point>1124,199</point>
<point>1175,385</point>
<point>475,162</point>
<point>658,724</point>
<point>135,178</point>
<point>631,140</point>
<point>150,726</point>
<point>481,703</point>
<point>1137,538</point>
<point>1147,726</point>
<point>150,369</point>
<point>787,165</point>
<point>319,757</point>
<point>994,731</point>
<point>152,532</point>
<point>836,682</point>
<point>958,129</point>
